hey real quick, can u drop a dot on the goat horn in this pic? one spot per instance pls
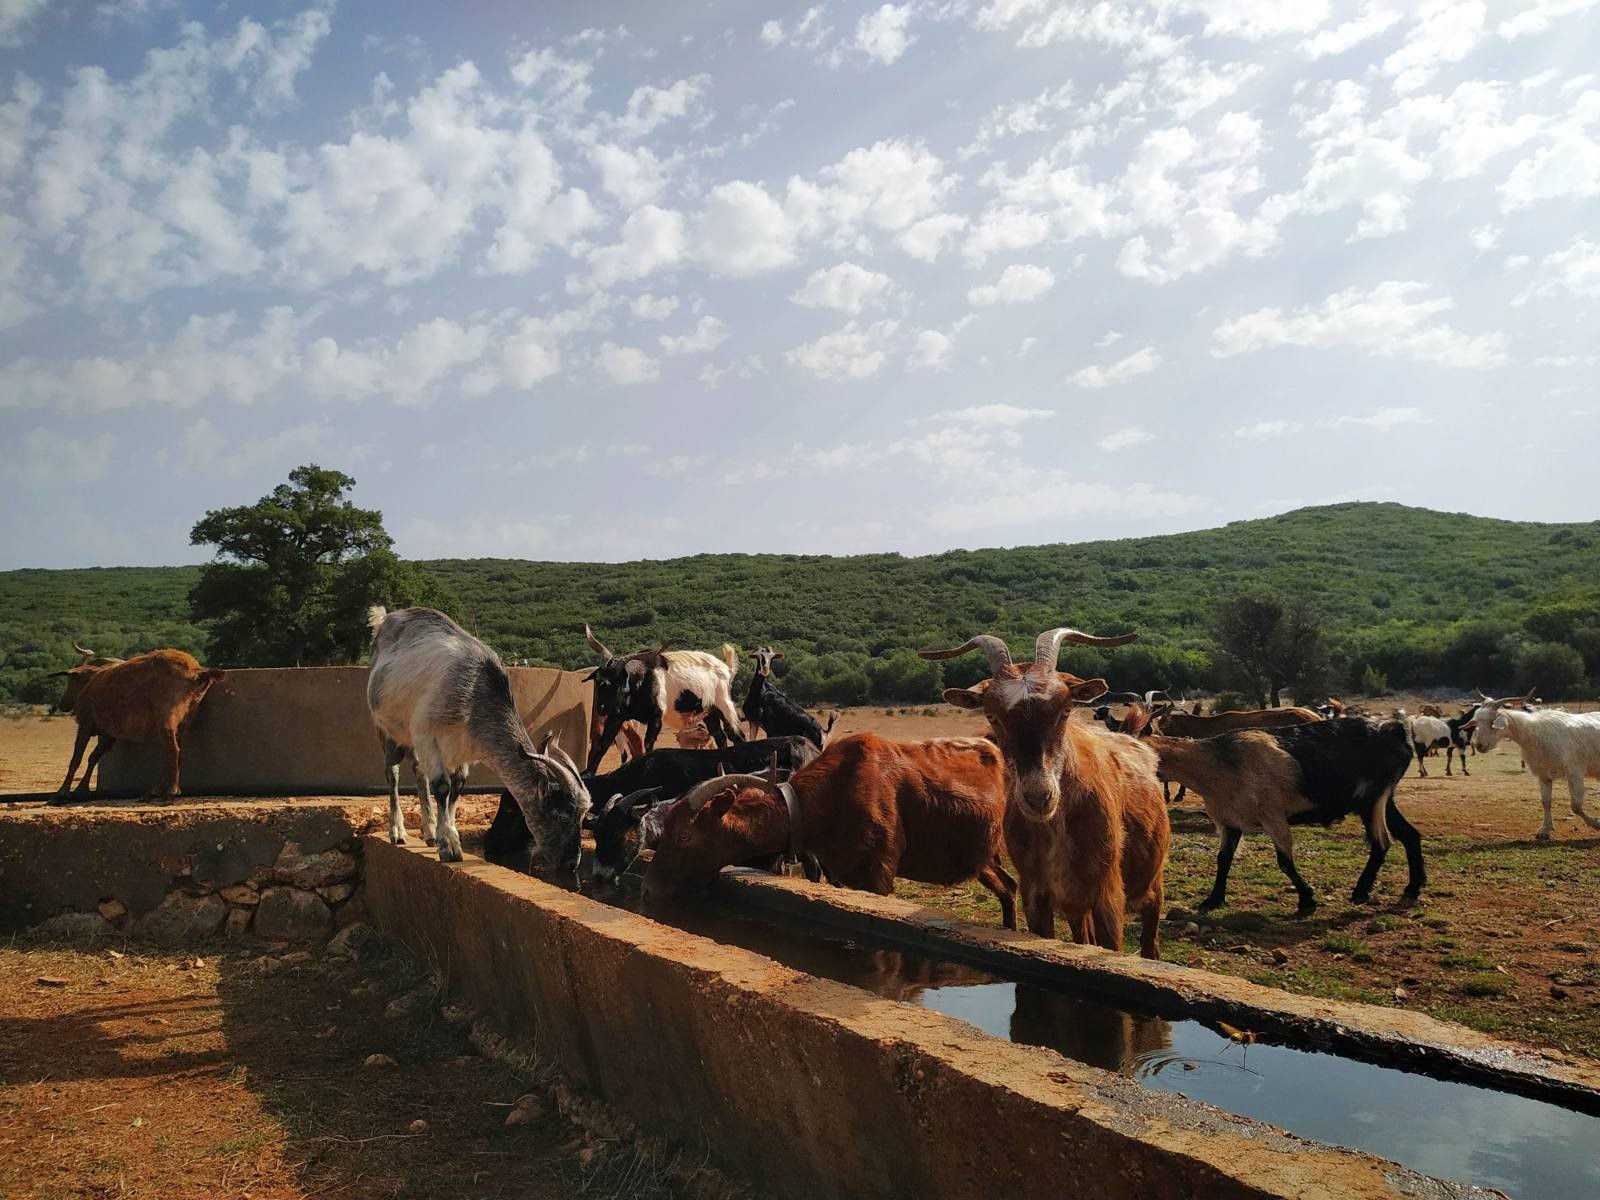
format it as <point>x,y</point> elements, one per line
<point>634,799</point>
<point>595,643</point>
<point>1120,698</point>
<point>1048,648</point>
<point>83,650</point>
<point>993,649</point>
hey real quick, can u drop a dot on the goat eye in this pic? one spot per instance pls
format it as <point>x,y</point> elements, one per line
<point>683,838</point>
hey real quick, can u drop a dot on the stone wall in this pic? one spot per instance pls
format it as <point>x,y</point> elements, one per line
<point>176,874</point>
<point>307,731</point>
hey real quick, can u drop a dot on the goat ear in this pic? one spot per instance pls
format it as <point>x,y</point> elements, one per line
<point>1086,690</point>
<point>777,654</point>
<point>589,676</point>
<point>721,803</point>
<point>963,697</point>
<point>635,668</point>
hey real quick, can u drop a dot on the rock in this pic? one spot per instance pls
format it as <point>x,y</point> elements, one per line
<point>378,1062</point>
<point>240,893</point>
<point>525,1111</point>
<point>417,1126</point>
<point>238,921</point>
<point>353,941</point>
<point>113,910</point>
<point>286,912</point>
<point>1401,995</point>
<point>268,965</point>
<point>297,958</point>
<point>1191,927</point>
<point>313,870</point>
<point>51,981</point>
<point>337,893</point>
<point>181,919</point>
<point>74,925</point>
<point>1557,992</point>
<point>352,910</point>
<point>585,1156</point>
<point>411,1004</point>
<point>1280,955</point>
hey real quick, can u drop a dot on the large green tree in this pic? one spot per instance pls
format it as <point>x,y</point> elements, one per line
<point>1273,643</point>
<point>295,573</point>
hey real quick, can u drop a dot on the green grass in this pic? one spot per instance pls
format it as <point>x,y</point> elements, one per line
<point>1486,983</point>
<point>1466,960</point>
<point>1344,943</point>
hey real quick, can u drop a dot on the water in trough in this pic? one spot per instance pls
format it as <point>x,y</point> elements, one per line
<point>1530,1149</point>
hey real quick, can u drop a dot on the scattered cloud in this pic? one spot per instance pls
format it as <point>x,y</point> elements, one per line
<point>1018,284</point>
<point>846,287</point>
<point>1121,439</point>
<point>1140,362</point>
<point>627,364</point>
<point>852,353</point>
<point>1263,431</point>
<point>709,333</point>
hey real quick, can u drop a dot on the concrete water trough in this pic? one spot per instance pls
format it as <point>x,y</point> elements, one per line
<point>809,1086</point>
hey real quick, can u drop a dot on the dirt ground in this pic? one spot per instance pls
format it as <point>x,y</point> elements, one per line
<point>1506,937</point>
<point>132,1073</point>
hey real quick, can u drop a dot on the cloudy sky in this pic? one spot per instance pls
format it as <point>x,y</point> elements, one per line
<point>604,281</point>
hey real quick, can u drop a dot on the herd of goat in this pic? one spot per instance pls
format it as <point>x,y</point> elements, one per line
<point>1078,807</point>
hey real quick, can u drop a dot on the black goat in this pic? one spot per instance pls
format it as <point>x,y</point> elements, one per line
<point>772,714</point>
<point>667,772</point>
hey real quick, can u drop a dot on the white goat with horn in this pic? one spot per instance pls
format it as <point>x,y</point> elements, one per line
<point>1554,744</point>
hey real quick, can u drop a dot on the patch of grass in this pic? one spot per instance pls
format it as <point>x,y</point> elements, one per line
<point>1465,960</point>
<point>1347,944</point>
<point>1486,983</point>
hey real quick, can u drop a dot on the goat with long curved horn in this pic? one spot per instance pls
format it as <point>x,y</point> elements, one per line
<point>993,649</point>
<point>595,643</point>
<point>1048,648</point>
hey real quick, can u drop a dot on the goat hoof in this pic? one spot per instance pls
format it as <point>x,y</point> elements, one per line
<point>428,841</point>
<point>446,854</point>
<point>1542,836</point>
<point>1206,906</point>
<point>397,839</point>
<point>1305,910</point>
<point>1359,897</point>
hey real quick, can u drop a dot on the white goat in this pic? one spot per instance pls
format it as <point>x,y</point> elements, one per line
<point>441,693</point>
<point>1554,744</point>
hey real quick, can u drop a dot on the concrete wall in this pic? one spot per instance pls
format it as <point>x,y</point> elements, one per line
<point>810,1088</point>
<point>307,730</point>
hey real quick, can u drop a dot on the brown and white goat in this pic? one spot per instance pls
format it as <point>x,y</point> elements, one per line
<point>870,810</point>
<point>145,699</point>
<point>1085,823</point>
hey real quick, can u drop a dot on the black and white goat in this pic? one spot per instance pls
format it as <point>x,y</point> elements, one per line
<point>1312,774</point>
<point>652,686</point>
<point>438,691</point>
<point>772,714</point>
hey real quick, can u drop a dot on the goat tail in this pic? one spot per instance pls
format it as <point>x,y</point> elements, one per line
<point>375,616</point>
<point>831,721</point>
<point>730,656</point>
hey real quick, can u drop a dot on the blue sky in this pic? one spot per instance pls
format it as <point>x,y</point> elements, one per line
<point>605,281</point>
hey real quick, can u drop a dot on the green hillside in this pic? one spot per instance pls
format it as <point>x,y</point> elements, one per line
<point>1424,598</point>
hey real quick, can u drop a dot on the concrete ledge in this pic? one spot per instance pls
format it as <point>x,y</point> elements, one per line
<point>811,1088</point>
<point>1392,1036</point>
<point>307,731</point>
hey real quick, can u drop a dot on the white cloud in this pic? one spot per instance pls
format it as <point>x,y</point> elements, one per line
<point>925,240</point>
<point>929,351</point>
<point>1376,19</point>
<point>651,238</point>
<point>852,353</point>
<point>1446,33</point>
<point>15,16</point>
<point>627,364</point>
<point>1109,338</point>
<point>1018,284</point>
<point>772,33</point>
<point>889,185</point>
<point>634,177</point>
<point>1257,19</point>
<point>1000,416</point>
<point>881,35</point>
<point>1140,362</point>
<point>1383,419</point>
<point>744,231</point>
<point>1575,270</point>
<point>1262,431</point>
<point>1392,320</point>
<point>650,107</point>
<point>653,308</point>
<point>709,333</point>
<point>1121,439</point>
<point>846,287</point>
<point>1539,16</point>
<point>1567,165</point>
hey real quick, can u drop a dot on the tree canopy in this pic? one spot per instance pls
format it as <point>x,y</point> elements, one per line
<point>295,573</point>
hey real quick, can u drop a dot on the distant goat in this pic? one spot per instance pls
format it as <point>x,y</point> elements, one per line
<point>149,698</point>
<point>1427,734</point>
<point>772,714</point>
<point>651,686</point>
<point>1554,744</point>
<point>438,690</point>
<point>694,737</point>
<point>1319,773</point>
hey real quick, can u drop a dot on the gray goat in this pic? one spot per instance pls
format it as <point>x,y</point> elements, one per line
<point>437,691</point>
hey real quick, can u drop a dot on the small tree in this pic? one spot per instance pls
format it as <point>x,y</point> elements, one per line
<point>295,573</point>
<point>1556,670</point>
<point>1274,643</point>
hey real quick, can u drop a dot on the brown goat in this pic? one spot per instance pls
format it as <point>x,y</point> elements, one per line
<point>145,699</point>
<point>870,811</point>
<point>87,667</point>
<point>1085,823</point>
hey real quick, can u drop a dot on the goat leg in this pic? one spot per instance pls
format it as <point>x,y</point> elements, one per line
<point>393,755</point>
<point>1225,852</point>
